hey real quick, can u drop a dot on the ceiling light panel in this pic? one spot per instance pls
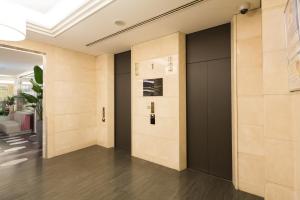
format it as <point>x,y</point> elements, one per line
<point>41,6</point>
<point>12,23</point>
<point>53,17</point>
<point>56,14</point>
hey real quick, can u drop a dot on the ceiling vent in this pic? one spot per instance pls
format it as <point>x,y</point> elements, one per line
<point>170,12</point>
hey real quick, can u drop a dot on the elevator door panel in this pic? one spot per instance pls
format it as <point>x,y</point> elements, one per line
<point>197,116</point>
<point>209,101</point>
<point>123,101</point>
<point>219,118</point>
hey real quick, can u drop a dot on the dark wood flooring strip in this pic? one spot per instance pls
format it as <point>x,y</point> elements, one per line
<point>96,173</point>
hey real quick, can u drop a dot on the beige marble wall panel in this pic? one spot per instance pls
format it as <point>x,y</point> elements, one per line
<point>70,86</point>
<point>105,98</point>
<point>165,142</point>
<point>273,3</point>
<point>278,192</point>
<point>251,140</point>
<point>249,26</point>
<point>252,173</point>
<point>296,132</point>
<point>251,110</point>
<point>249,52</point>
<point>275,72</point>
<point>273,18</point>
<point>280,120</point>
<point>250,104</point>
<point>278,117</point>
<point>280,162</point>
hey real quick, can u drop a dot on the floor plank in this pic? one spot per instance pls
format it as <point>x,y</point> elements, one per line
<point>97,173</point>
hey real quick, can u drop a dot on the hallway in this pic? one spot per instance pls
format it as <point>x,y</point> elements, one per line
<point>98,173</point>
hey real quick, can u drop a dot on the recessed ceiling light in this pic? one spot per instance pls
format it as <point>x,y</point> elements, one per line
<point>120,23</point>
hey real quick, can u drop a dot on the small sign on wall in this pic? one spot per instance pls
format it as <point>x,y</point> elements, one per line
<point>292,14</point>
<point>157,76</point>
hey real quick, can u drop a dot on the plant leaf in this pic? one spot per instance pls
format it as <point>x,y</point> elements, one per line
<point>36,87</point>
<point>30,98</point>
<point>38,74</point>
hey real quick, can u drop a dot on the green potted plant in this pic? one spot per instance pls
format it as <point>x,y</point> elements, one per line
<point>36,102</point>
<point>7,105</point>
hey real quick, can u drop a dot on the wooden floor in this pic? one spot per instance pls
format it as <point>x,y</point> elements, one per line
<point>96,173</point>
<point>17,148</point>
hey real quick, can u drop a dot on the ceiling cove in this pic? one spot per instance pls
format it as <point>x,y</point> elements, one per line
<point>86,10</point>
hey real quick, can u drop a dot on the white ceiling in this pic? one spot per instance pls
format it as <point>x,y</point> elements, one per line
<point>41,6</point>
<point>14,63</point>
<point>204,15</point>
<point>44,16</point>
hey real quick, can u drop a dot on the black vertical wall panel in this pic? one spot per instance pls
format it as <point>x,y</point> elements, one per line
<point>123,101</point>
<point>209,101</point>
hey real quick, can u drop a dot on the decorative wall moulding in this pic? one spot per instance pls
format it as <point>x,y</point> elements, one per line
<point>68,22</point>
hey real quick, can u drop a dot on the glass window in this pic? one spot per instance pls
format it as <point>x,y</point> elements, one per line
<point>4,92</point>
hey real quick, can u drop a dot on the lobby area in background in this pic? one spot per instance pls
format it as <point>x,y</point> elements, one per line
<point>20,139</point>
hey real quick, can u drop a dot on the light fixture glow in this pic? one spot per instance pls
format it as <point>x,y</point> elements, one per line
<point>12,23</point>
<point>26,83</point>
<point>7,82</point>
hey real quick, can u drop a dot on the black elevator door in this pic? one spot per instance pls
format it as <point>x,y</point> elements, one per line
<point>209,101</point>
<point>219,118</point>
<point>197,116</point>
<point>123,101</point>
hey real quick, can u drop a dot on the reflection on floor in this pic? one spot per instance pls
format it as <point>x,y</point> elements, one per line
<point>96,173</point>
<point>18,149</point>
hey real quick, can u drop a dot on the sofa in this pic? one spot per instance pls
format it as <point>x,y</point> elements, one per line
<point>17,122</point>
